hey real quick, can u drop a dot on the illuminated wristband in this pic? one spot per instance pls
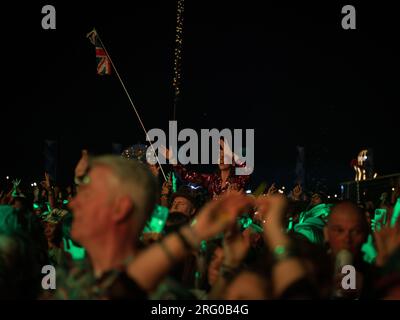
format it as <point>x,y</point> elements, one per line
<point>281,253</point>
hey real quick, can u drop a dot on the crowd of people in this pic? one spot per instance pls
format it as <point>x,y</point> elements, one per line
<point>106,238</point>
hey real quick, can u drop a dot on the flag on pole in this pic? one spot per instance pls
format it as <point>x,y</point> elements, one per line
<point>103,62</point>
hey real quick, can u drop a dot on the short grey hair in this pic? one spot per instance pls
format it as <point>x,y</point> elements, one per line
<point>136,180</point>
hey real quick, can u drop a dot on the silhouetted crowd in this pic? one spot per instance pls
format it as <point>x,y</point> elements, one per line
<point>122,232</point>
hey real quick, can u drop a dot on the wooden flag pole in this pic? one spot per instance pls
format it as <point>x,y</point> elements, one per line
<point>132,104</point>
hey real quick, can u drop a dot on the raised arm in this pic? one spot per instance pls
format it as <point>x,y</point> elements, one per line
<point>154,263</point>
<point>50,193</point>
<point>236,246</point>
<point>288,268</point>
<point>192,176</point>
<point>185,174</point>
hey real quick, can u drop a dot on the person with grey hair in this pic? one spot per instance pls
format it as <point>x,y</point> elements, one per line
<point>114,199</point>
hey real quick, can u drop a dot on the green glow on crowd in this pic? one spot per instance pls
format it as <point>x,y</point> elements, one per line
<point>379,219</point>
<point>157,220</point>
<point>290,225</point>
<point>203,245</point>
<point>369,250</point>
<point>77,253</point>
<point>245,222</point>
<point>173,182</point>
<point>279,250</point>
<point>396,213</point>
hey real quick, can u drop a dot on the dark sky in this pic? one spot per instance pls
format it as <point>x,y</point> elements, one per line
<point>289,71</point>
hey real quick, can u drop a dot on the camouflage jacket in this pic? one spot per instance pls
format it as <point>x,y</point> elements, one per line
<point>80,283</point>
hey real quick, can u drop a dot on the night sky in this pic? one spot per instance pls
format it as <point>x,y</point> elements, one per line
<point>289,71</point>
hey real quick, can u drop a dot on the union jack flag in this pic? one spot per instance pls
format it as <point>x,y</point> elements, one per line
<point>103,62</point>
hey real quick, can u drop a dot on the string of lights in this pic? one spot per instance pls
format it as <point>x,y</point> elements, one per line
<point>176,82</point>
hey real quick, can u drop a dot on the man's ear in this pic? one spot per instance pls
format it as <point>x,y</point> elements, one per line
<point>123,208</point>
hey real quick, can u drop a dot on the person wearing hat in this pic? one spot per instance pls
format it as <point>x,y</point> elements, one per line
<point>313,220</point>
<point>182,209</point>
<point>317,198</point>
<point>184,201</point>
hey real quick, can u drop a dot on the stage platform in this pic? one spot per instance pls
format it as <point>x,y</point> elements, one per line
<point>369,189</point>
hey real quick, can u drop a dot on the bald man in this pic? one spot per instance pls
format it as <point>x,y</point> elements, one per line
<point>347,229</point>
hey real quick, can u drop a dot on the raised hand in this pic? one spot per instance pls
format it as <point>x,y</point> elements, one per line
<point>218,215</point>
<point>236,245</point>
<point>167,186</point>
<point>46,183</point>
<point>272,190</point>
<point>47,180</point>
<point>165,152</point>
<point>16,183</point>
<point>229,155</point>
<point>153,264</point>
<point>387,242</point>
<point>272,209</point>
<point>36,193</point>
<point>297,192</point>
